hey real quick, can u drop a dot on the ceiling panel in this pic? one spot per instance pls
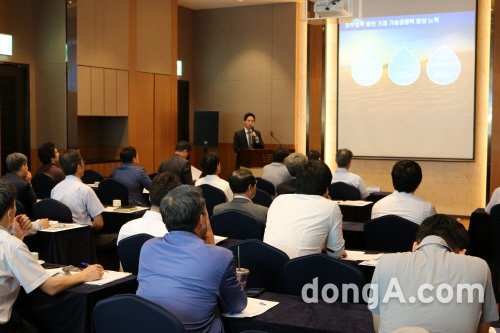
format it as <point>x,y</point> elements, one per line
<point>211,4</point>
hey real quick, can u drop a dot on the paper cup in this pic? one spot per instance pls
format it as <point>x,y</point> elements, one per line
<point>117,203</point>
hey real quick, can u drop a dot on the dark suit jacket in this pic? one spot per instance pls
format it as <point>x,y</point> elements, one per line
<point>25,192</point>
<point>180,167</point>
<point>240,142</point>
<point>244,206</point>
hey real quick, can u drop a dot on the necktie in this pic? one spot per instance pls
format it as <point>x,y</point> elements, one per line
<point>249,138</point>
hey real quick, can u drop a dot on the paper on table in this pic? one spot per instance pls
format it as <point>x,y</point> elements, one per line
<point>124,210</point>
<point>109,276</point>
<point>63,226</point>
<point>254,308</point>
<point>219,238</point>
<point>357,203</point>
<point>360,255</point>
<point>369,262</point>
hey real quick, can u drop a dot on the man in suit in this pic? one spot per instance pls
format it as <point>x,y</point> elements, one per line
<point>244,186</point>
<point>277,172</point>
<point>179,164</point>
<point>19,176</point>
<point>184,272</point>
<point>246,138</point>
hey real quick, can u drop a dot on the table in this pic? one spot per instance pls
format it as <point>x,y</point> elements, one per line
<point>292,315</point>
<point>115,217</point>
<point>65,244</point>
<point>376,196</point>
<point>481,236</point>
<point>70,310</point>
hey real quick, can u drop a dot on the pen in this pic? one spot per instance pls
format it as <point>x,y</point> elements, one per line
<point>85,264</point>
<point>262,303</point>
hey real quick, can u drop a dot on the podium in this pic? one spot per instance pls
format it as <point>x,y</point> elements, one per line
<point>255,158</point>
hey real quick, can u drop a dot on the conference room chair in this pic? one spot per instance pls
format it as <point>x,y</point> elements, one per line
<point>262,198</point>
<point>91,176</point>
<point>109,190</point>
<point>43,185</point>
<point>129,250</point>
<point>213,196</point>
<point>495,267</point>
<point>52,210</point>
<point>152,175</point>
<point>236,225</point>
<point>20,208</point>
<point>266,185</point>
<point>265,263</point>
<point>389,233</point>
<point>343,191</point>
<point>302,270</point>
<point>129,313</point>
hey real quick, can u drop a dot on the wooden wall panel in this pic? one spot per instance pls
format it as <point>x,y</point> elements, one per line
<point>122,93</point>
<point>97,91</point>
<point>84,106</point>
<point>316,56</point>
<point>141,119</point>
<point>110,92</point>
<point>165,117</point>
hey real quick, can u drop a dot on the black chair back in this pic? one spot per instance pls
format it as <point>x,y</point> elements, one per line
<point>299,271</point>
<point>213,197</point>
<point>128,313</point>
<point>262,198</point>
<point>20,208</point>
<point>152,175</point>
<point>129,250</point>
<point>43,185</point>
<point>236,225</point>
<point>265,263</point>
<point>52,210</point>
<point>91,176</point>
<point>389,233</point>
<point>266,186</point>
<point>495,266</point>
<point>343,191</point>
<point>110,190</point>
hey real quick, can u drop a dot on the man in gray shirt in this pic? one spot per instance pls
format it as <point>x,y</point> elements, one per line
<point>435,286</point>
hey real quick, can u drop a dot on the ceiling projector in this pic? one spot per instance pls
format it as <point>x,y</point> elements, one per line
<point>330,8</point>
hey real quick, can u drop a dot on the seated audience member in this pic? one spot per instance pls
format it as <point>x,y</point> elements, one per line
<point>406,177</point>
<point>184,272</point>
<point>301,224</point>
<point>244,186</point>
<point>79,197</point>
<point>19,268</point>
<point>494,200</point>
<point>314,155</point>
<point>179,164</point>
<point>210,165</point>
<point>292,162</point>
<point>343,159</point>
<point>436,261</point>
<point>133,177</point>
<point>276,172</point>
<point>20,177</point>
<point>49,156</point>
<point>151,222</point>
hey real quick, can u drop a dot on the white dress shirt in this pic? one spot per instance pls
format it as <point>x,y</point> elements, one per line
<point>301,224</point>
<point>343,175</point>
<point>405,205</point>
<point>150,223</point>
<point>216,181</point>
<point>494,200</point>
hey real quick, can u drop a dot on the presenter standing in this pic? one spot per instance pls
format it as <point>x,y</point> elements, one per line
<point>246,138</point>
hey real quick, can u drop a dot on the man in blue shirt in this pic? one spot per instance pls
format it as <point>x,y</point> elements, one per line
<point>133,177</point>
<point>183,271</point>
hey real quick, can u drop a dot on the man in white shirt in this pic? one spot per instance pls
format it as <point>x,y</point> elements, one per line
<point>406,177</point>
<point>343,159</point>
<point>18,266</point>
<point>210,164</point>
<point>308,221</point>
<point>277,172</point>
<point>79,197</point>
<point>494,200</point>
<point>151,222</point>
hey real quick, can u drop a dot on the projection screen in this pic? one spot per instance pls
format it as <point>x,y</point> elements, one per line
<point>406,80</point>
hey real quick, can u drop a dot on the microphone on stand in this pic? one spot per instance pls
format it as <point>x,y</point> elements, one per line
<point>272,136</point>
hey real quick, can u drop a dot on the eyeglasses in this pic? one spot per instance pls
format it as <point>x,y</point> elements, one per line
<point>82,162</point>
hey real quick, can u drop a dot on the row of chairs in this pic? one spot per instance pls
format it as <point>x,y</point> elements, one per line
<point>270,268</point>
